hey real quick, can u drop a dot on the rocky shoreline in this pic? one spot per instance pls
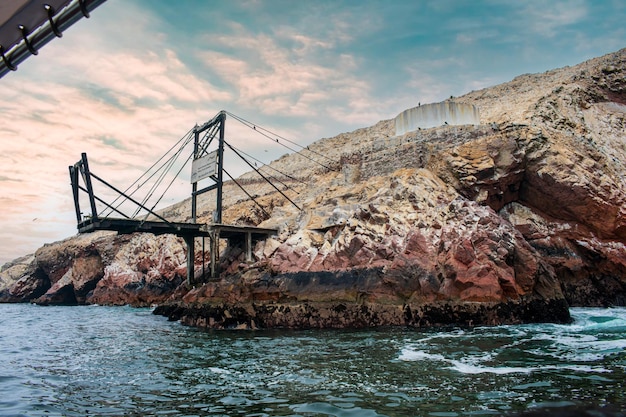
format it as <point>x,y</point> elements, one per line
<point>509,221</point>
<point>356,316</point>
<point>351,299</point>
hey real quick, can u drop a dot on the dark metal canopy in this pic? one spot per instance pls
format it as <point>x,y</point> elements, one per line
<point>27,25</point>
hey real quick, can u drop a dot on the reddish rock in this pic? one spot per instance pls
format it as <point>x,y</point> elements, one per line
<point>21,281</point>
<point>74,287</point>
<point>592,271</point>
<point>145,271</point>
<point>100,268</point>
<point>27,289</point>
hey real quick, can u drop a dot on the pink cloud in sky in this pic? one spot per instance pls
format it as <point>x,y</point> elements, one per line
<point>124,108</point>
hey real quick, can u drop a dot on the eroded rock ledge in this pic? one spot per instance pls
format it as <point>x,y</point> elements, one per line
<point>350,299</point>
<point>338,315</point>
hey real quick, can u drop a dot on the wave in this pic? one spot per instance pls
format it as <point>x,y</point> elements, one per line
<point>468,368</point>
<point>419,355</point>
<point>611,320</point>
<point>594,335</point>
<point>471,365</point>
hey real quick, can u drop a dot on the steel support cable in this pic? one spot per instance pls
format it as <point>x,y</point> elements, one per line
<point>170,185</point>
<point>186,138</point>
<point>257,127</point>
<point>165,169</point>
<point>248,194</point>
<point>293,150</point>
<point>264,165</point>
<point>138,188</point>
<point>274,138</point>
<point>304,148</point>
<point>128,197</point>
<point>261,131</point>
<point>210,133</point>
<point>103,202</point>
<point>262,176</point>
<point>274,178</point>
<point>281,182</point>
<point>269,175</point>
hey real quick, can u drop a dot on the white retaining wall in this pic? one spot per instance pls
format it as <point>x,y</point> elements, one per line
<point>436,114</point>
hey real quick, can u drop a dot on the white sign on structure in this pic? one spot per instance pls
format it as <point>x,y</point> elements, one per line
<point>204,167</point>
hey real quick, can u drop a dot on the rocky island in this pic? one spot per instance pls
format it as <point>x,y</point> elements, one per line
<point>508,213</point>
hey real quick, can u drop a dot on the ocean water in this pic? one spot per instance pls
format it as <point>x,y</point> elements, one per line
<point>121,361</point>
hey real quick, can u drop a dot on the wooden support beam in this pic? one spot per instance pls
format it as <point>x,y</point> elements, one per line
<point>191,278</point>
<point>215,253</point>
<point>194,186</point>
<point>248,246</point>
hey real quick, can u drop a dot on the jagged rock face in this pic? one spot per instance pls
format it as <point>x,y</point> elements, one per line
<point>534,209</point>
<point>404,249</point>
<point>592,271</point>
<point>20,281</point>
<point>458,251</point>
<point>505,222</point>
<point>99,268</point>
<point>571,204</point>
<point>145,271</point>
<point>72,269</point>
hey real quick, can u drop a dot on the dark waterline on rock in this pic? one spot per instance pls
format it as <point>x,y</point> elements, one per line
<point>114,361</point>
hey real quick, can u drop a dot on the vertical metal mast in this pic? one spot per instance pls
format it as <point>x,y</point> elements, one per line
<point>194,186</point>
<point>200,150</point>
<point>220,166</point>
<point>191,241</point>
<point>215,126</point>
<point>217,218</point>
<point>87,179</point>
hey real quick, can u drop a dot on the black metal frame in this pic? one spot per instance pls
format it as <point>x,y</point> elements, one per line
<point>240,235</point>
<point>81,170</point>
<point>214,128</point>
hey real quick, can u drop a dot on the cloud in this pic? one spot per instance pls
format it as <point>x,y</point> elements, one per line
<point>4,178</point>
<point>124,107</point>
<point>548,18</point>
<point>271,77</point>
<point>288,73</point>
<point>477,35</point>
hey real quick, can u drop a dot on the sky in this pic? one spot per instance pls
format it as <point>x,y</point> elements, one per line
<point>126,84</point>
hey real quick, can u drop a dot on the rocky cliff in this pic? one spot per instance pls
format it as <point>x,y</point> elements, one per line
<point>508,221</point>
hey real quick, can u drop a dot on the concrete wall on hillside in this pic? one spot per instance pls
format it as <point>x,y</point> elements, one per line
<point>436,114</point>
